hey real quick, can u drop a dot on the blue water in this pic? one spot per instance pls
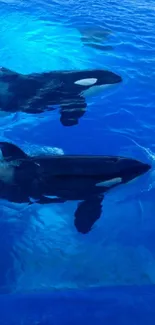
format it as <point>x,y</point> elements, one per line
<point>117,305</point>
<point>39,247</point>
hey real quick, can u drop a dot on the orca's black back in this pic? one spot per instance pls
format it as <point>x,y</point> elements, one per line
<point>78,165</point>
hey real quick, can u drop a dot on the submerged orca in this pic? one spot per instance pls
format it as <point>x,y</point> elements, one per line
<point>36,93</point>
<point>95,37</point>
<point>57,179</point>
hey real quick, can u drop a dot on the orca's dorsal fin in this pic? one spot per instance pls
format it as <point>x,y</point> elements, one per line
<point>11,152</point>
<point>7,72</point>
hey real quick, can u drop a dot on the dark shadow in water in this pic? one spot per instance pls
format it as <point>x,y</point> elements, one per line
<point>95,37</point>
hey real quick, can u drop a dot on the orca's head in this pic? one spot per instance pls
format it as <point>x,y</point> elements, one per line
<point>120,170</point>
<point>130,169</point>
<point>105,77</point>
<point>92,82</point>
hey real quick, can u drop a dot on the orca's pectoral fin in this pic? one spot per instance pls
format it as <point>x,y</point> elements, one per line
<point>72,111</point>
<point>11,152</point>
<point>87,213</point>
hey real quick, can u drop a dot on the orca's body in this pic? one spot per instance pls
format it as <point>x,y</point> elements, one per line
<point>37,93</point>
<point>57,179</point>
<point>95,37</point>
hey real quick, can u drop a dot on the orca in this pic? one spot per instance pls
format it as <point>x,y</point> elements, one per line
<point>61,178</point>
<point>39,92</point>
<point>95,37</point>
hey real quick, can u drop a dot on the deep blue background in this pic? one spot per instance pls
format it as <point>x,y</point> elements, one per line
<point>102,306</point>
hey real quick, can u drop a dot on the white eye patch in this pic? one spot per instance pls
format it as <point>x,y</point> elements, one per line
<point>51,196</point>
<point>86,82</point>
<point>110,182</point>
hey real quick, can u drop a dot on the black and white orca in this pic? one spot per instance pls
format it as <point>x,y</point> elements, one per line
<point>38,92</point>
<point>57,179</point>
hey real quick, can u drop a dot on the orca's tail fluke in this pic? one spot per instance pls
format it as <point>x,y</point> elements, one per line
<point>87,213</point>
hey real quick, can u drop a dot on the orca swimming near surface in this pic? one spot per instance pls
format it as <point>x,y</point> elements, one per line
<point>95,37</point>
<point>39,92</point>
<point>57,179</point>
